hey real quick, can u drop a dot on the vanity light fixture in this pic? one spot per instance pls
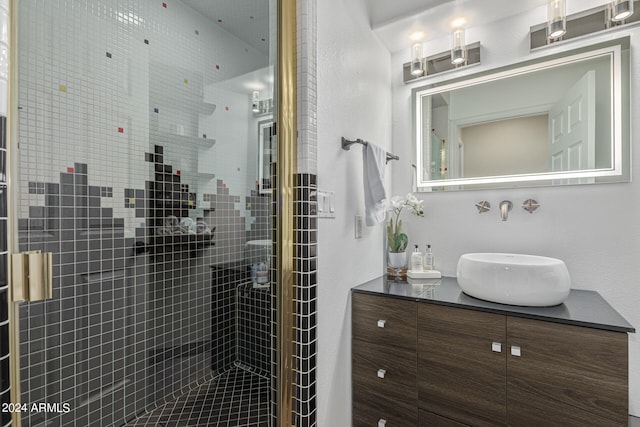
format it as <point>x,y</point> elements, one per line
<point>610,16</point>
<point>620,10</point>
<point>416,59</point>
<point>255,102</point>
<point>556,19</point>
<point>458,47</point>
<point>460,55</point>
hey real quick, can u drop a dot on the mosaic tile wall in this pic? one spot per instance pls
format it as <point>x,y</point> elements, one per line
<point>306,218</point>
<point>306,231</point>
<point>5,386</point>
<point>122,124</point>
<point>5,418</point>
<point>140,328</point>
<point>242,333</point>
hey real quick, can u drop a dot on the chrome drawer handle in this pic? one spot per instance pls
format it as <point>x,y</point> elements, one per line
<point>496,347</point>
<point>515,350</point>
<point>381,323</point>
<point>382,422</point>
<point>381,373</point>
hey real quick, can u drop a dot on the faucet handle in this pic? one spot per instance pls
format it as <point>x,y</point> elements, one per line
<point>483,206</point>
<point>530,205</point>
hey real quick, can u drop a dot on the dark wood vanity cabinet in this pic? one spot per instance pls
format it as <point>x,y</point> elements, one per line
<point>424,364</point>
<point>384,361</point>
<point>571,375</point>
<point>485,369</point>
<point>461,376</point>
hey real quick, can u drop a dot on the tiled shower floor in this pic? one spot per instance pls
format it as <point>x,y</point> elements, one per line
<point>235,398</point>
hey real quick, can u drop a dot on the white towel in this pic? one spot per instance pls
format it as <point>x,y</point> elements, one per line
<point>374,160</point>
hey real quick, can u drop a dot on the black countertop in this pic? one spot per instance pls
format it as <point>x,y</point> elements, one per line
<point>581,308</point>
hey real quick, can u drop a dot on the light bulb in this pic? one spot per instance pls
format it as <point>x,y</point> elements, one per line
<point>621,10</point>
<point>458,47</point>
<point>416,59</point>
<point>255,103</point>
<point>556,19</point>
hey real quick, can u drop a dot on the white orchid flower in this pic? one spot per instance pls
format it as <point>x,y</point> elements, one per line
<point>397,202</point>
<point>412,199</point>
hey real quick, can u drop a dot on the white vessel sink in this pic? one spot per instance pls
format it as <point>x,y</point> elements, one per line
<point>526,280</point>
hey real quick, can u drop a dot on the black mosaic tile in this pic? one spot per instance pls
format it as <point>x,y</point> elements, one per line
<point>81,252</point>
<point>3,132</point>
<point>237,397</point>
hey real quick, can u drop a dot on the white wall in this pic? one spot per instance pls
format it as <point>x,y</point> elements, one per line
<point>354,101</point>
<point>594,229</point>
<point>506,147</point>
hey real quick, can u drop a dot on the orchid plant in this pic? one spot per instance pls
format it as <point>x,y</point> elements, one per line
<point>397,241</point>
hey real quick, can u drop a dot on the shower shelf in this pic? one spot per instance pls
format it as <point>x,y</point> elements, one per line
<point>206,108</point>
<point>164,138</point>
<point>194,140</point>
<point>174,243</point>
<point>200,175</point>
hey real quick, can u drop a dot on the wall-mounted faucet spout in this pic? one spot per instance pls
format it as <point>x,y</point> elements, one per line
<point>505,207</point>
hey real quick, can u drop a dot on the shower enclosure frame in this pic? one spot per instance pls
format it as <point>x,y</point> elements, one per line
<point>284,198</point>
<point>286,132</point>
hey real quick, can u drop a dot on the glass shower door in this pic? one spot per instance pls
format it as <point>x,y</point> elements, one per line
<point>137,169</point>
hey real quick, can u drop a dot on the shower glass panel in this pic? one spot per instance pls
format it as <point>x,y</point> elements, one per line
<point>138,168</point>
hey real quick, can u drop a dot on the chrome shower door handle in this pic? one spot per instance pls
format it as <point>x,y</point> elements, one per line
<point>32,276</point>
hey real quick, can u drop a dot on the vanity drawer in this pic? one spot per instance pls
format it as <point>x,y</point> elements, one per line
<point>385,320</point>
<point>385,370</point>
<point>370,410</point>
<point>389,401</point>
<point>428,419</point>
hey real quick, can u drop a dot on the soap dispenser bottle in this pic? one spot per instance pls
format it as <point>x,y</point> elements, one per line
<point>428,259</point>
<point>416,260</point>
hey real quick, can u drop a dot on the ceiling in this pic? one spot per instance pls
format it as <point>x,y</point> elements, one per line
<point>248,20</point>
<point>394,21</point>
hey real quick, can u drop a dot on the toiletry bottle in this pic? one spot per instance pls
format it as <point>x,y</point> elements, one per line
<point>416,260</point>
<point>428,259</point>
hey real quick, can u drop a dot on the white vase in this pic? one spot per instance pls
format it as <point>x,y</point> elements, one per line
<point>397,259</point>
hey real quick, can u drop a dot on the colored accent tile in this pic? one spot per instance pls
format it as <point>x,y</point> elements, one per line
<point>132,201</point>
<point>62,88</point>
<point>164,5</point>
<point>186,81</point>
<point>226,108</point>
<point>190,202</point>
<point>178,172</point>
<point>217,67</point>
<point>70,170</point>
<point>120,130</point>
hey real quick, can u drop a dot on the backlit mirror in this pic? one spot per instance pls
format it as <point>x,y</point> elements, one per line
<point>266,147</point>
<point>562,119</point>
